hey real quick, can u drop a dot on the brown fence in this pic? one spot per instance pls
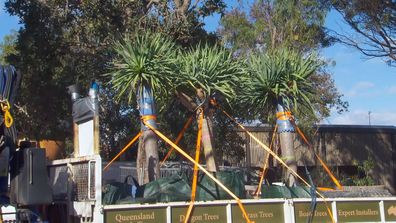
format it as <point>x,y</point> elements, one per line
<point>339,146</point>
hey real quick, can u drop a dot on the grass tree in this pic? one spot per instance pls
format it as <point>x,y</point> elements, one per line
<point>141,71</point>
<point>279,82</point>
<point>204,71</point>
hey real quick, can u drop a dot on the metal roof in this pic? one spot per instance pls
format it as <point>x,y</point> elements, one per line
<point>333,128</point>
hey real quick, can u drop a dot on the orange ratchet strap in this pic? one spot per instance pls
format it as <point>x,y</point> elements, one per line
<point>148,117</point>
<point>123,150</point>
<point>202,169</point>
<point>288,116</point>
<point>283,115</point>
<point>266,162</point>
<point>333,178</point>
<point>179,137</point>
<point>195,176</point>
<point>278,159</point>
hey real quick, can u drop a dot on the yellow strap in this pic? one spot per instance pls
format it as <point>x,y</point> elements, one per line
<point>266,162</point>
<point>202,169</point>
<point>333,178</point>
<point>148,117</point>
<point>267,149</point>
<point>8,120</point>
<point>123,150</point>
<point>179,137</point>
<point>336,182</point>
<point>288,116</point>
<point>277,158</point>
<point>195,176</point>
<point>325,189</point>
<point>284,115</point>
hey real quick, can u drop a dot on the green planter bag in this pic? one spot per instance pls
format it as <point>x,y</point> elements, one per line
<point>208,190</point>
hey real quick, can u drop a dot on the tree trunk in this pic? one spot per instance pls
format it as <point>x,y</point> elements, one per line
<point>207,142</point>
<point>141,162</point>
<point>287,148</point>
<point>148,144</point>
<point>207,126</point>
<point>286,133</point>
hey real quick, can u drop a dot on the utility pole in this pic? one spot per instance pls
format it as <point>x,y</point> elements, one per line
<point>369,116</point>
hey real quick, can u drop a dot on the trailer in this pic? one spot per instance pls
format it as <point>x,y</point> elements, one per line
<point>75,188</point>
<point>77,197</point>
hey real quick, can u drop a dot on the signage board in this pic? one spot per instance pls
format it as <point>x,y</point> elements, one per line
<point>302,212</point>
<point>346,211</point>
<point>201,214</point>
<point>362,211</point>
<point>259,212</point>
<point>390,210</point>
<point>138,215</point>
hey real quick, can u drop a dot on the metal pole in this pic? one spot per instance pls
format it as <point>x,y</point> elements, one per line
<point>369,116</point>
<point>75,96</point>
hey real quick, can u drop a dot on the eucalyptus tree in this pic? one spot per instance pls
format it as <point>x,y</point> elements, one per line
<point>373,25</point>
<point>8,47</point>
<point>279,82</point>
<point>203,72</point>
<point>267,25</point>
<point>61,43</point>
<point>271,24</point>
<point>140,72</point>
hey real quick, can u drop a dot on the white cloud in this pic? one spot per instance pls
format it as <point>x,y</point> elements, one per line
<point>360,88</point>
<point>360,117</point>
<point>392,90</point>
<point>364,85</point>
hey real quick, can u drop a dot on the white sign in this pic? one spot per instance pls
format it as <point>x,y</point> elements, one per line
<point>86,138</point>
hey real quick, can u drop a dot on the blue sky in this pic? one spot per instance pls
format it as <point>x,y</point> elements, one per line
<point>367,84</point>
<point>7,23</point>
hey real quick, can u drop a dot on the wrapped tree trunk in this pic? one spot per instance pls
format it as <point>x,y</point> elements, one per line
<point>286,133</point>
<point>148,143</point>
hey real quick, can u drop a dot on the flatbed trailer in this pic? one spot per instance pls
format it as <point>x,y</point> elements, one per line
<point>77,191</point>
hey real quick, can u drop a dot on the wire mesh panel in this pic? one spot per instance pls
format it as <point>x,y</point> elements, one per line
<point>75,177</point>
<point>121,171</point>
<point>83,178</point>
<point>167,172</point>
<point>127,171</point>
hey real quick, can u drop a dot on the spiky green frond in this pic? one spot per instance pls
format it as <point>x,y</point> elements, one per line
<point>146,59</point>
<point>211,68</point>
<point>281,76</point>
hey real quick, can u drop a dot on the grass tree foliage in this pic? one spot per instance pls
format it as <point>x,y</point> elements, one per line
<point>149,63</point>
<point>141,72</point>
<point>280,77</point>
<point>279,82</point>
<point>205,71</point>
<point>146,59</point>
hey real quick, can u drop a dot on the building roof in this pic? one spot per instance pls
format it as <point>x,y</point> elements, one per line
<point>358,128</point>
<point>334,128</point>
